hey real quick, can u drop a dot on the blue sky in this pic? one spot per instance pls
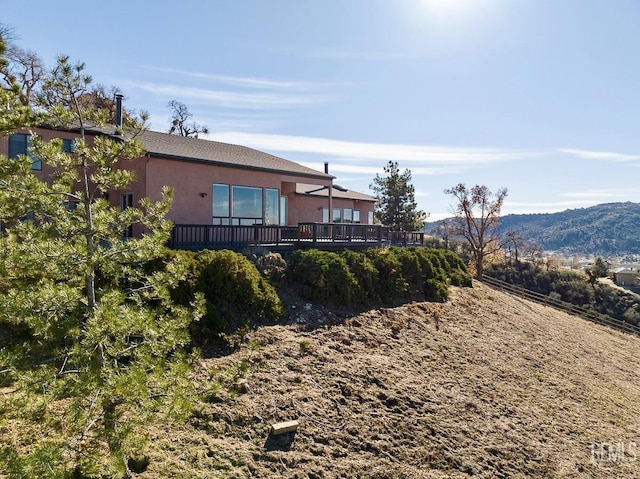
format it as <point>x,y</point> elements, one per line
<point>538,96</point>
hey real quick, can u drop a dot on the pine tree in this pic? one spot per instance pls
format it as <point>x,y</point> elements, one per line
<point>395,200</point>
<point>92,344</point>
<point>14,113</point>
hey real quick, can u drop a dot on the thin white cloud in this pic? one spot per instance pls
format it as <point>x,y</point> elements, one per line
<point>371,170</point>
<point>247,82</point>
<point>600,155</point>
<point>545,205</point>
<point>604,193</point>
<point>226,99</point>
<point>516,208</point>
<point>422,194</point>
<point>434,155</point>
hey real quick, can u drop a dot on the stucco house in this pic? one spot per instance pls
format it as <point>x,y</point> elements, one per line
<point>626,277</point>
<point>219,183</point>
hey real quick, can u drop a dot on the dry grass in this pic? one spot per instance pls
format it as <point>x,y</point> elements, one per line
<point>485,385</point>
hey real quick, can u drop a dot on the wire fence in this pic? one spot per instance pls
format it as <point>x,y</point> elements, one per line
<point>576,310</point>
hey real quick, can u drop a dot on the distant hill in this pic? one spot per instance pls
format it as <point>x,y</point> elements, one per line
<point>610,229</point>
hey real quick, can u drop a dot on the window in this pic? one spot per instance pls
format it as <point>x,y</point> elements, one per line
<point>19,144</point>
<point>271,206</point>
<point>337,215</point>
<point>283,211</point>
<point>246,206</point>
<point>370,218</point>
<point>325,215</point>
<point>71,206</point>
<point>126,201</point>
<point>67,145</point>
<point>356,216</point>
<point>347,215</point>
<point>220,204</point>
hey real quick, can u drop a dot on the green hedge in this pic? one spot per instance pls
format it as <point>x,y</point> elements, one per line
<point>376,275</point>
<point>322,276</point>
<point>238,296</point>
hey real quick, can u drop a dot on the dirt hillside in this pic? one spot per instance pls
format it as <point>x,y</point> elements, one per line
<point>485,385</point>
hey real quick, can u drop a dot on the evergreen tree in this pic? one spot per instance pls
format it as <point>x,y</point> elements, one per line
<point>395,200</point>
<point>91,344</point>
<point>600,268</point>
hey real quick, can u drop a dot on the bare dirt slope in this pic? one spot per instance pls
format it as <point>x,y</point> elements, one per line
<point>485,385</point>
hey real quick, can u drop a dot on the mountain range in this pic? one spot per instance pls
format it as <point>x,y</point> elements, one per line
<point>609,229</point>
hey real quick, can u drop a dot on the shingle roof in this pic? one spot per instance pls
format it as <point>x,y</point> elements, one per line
<point>338,192</point>
<point>194,149</point>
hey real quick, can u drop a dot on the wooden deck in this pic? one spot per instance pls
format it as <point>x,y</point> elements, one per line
<point>329,236</point>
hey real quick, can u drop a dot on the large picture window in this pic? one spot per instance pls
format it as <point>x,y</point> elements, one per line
<point>246,205</point>
<point>19,144</point>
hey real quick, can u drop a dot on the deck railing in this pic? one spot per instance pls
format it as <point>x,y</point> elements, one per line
<point>197,237</point>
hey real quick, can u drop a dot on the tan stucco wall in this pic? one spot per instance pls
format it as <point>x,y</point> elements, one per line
<point>309,208</point>
<point>626,279</point>
<point>47,135</point>
<point>189,180</point>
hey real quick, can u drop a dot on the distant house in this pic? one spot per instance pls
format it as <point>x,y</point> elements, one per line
<point>626,277</point>
<point>219,183</point>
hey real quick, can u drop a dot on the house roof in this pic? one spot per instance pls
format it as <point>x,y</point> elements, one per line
<point>338,192</point>
<point>623,270</point>
<point>194,149</point>
<point>208,151</point>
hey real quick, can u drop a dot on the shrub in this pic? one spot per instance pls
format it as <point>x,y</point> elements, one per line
<point>410,270</point>
<point>365,273</point>
<point>456,270</point>
<point>321,276</point>
<point>236,294</point>
<point>436,290</point>
<point>271,265</point>
<point>391,285</point>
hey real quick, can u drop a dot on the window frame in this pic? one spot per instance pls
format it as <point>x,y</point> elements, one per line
<point>14,138</point>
